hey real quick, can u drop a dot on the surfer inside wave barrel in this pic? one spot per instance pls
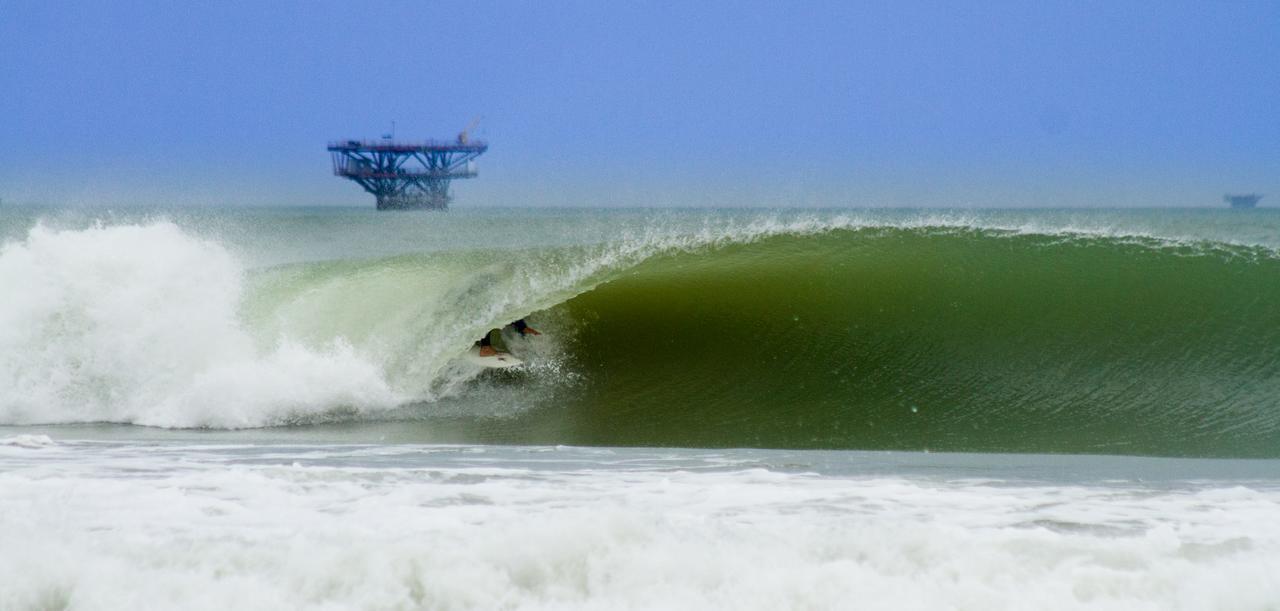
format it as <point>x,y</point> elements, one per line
<point>493,343</point>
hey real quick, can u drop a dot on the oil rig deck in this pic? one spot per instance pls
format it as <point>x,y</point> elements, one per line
<point>1249,200</point>
<point>406,175</point>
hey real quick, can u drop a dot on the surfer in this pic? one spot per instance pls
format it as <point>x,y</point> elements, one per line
<point>492,343</point>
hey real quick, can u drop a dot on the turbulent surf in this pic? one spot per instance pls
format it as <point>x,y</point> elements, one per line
<point>941,332</point>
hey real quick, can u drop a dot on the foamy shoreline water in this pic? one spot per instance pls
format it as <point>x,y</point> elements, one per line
<point>218,524</point>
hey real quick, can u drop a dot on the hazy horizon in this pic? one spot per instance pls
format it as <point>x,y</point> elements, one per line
<point>710,104</point>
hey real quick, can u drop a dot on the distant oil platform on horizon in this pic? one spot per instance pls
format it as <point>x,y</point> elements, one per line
<point>407,175</point>
<point>1248,200</point>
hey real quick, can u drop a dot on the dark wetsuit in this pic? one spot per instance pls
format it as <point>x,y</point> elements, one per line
<point>519,325</point>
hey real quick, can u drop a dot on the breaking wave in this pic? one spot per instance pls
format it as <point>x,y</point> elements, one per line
<point>832,334</point>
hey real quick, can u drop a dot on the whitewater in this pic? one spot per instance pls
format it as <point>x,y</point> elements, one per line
<point>969,409</point>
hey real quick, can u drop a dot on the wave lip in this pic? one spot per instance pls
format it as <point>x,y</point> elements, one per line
<point>834,331</point>
<point>934,338</point>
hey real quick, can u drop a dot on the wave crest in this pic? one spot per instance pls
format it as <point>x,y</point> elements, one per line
<point>139,324</point>
<point>825,333</point>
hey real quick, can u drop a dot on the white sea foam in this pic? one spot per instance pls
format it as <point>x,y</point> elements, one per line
<point>479,528</point>
<point>27,441</point>
<point>143,323</point>
<point>139,324</point>
<point>150,323</point>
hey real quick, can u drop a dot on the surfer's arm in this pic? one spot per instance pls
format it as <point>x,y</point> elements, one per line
<point>524,328</point>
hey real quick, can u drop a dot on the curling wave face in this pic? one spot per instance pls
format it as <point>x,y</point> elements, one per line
<point>962,340</point>
<point>821,332</point>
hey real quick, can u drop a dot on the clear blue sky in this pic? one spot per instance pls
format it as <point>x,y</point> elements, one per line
<point>634,103</point>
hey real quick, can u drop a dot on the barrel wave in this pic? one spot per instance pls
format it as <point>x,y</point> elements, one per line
<point>839,335</point>
<point>958,340</point>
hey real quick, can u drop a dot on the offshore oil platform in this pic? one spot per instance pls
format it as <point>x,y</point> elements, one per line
<point>407,175</point>
<point>1249,200</point>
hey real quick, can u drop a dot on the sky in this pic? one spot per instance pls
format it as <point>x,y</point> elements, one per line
<point>707,103</point>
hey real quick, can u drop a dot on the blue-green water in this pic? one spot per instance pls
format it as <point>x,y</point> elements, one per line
<point>1100,331</point>
<point>735,409</point>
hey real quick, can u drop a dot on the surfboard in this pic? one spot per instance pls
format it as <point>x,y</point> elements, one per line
<point>501,360</point>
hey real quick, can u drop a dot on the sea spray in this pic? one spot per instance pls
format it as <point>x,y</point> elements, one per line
<point>321,526</point>
<point>139,324</point>
<point>822,330</point>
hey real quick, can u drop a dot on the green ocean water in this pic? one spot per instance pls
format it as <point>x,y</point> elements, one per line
<point>956,340</point>
<point>1145,332</point>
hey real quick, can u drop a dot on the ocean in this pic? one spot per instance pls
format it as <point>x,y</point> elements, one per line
<point>732,409</point>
